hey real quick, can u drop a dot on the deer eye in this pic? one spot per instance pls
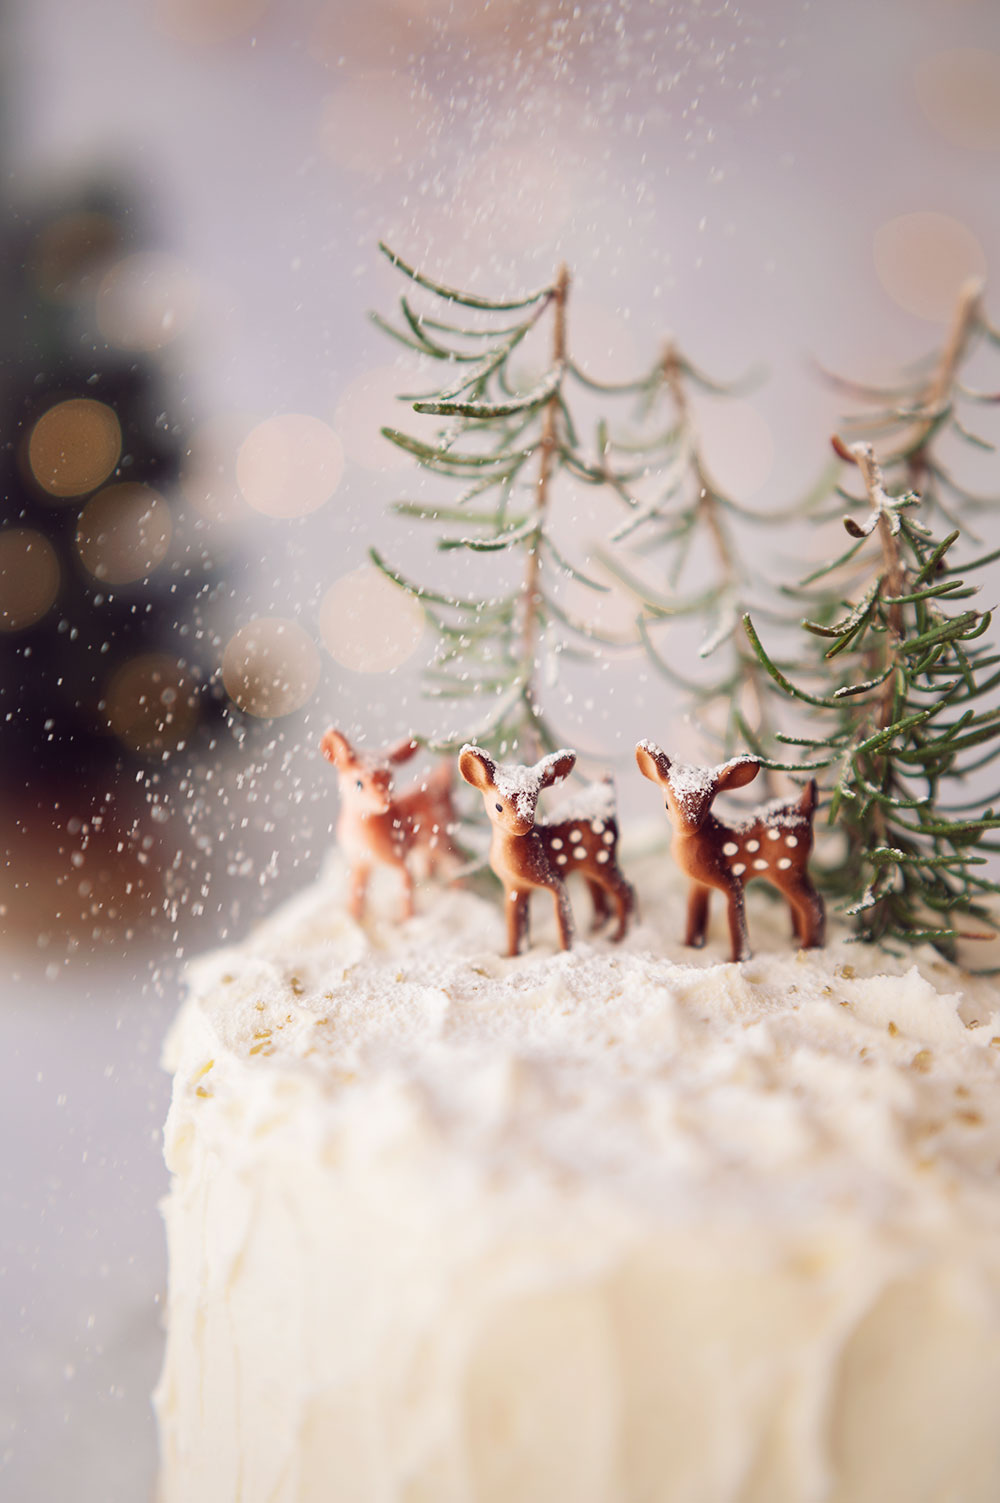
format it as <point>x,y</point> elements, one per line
<point>499,808</point>
<point>360,786</point>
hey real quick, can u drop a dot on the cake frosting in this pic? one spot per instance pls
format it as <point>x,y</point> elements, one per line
<point>624,1224</point>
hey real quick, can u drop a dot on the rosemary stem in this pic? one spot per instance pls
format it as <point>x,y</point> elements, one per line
<point>531,601</point>
<point>708,512</point>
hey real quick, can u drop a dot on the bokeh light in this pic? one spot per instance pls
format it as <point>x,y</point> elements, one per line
<point>289,465</point>
<point>208,479</point>
<point>369,624</point>
<point>738,446</point>
<point>145,300</point>
<point>270,667</point>
<point>29,577</point>
<point>370,403</point>
<point>602,342</point>
<point>151,703</point>
<point>72,252</point>
<point>378,121</point>
<point>74,447</point>
<point>124,533</point>
<point>207,23</point>
<point>922,259</point>
<point>959,92</point>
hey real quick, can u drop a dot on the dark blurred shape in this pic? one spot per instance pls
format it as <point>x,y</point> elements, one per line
<point>105,662</point>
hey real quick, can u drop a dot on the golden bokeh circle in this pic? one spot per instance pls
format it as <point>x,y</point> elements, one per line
<point>124,533</point>
<point>29,577</point>
<point>738,445</point>
<point>270,667</point>
<point>151,703</point>
<point>208,23</point>
<point>369,624</point>
<point>401,122</point>
<point>74,447</point>
<point>72,251</point>
<point>959,92</point>
<point>289,465</point>
<point>208,479</point>
<point>367,404</point>
<point>923,258</point>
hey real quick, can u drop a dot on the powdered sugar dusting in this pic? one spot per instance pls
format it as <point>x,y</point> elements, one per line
<point>691,786</point>
<point>635,1064</point>
<point>521,785</point>
<point>594,802</point>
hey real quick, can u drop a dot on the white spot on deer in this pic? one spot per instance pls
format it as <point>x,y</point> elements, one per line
<point>597,825</point>
<point>784,864</point>
<point>557,844</point>
<point>753,845</point>
<point>602,856</point>
<point>730,848</point>
<point>609,837</point>
<point>791,840</point>
<point>579,852</point>
<point>737,869</point>
<point>760,866</point>
<point>774,834</point>
<point>575,835</point>
<point>561,860</point>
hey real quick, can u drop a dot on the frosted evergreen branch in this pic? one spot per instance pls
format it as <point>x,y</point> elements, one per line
<point>465,299</point>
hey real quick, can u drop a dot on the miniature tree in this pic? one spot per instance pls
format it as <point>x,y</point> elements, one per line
<point>899,720</point>
<point>508,448</point>
<point>689,508</point>
<point>910,418</point>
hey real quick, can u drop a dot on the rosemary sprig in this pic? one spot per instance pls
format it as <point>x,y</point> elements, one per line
<point>926,404</point>
<point>684,507</point>
<point>507,446</point>
<point>895,706</point>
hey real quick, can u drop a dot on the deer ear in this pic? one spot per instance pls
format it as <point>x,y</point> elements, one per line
<point>337,749</point>
<point>477,767</point>
<point>653,763</point>
<point>403,752</point>
<point>737,772</point>
<point>556,766</point>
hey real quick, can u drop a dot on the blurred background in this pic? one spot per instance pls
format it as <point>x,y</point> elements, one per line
<point>191,394</point>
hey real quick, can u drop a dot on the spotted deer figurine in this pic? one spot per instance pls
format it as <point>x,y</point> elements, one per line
<point>773,843</point>
<point>379,826</point>
<point>528,852</point>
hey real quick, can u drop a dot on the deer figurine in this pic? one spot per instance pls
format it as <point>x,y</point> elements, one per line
<point>773,843</point>
<point>378,825</point>
<point>528,853</point>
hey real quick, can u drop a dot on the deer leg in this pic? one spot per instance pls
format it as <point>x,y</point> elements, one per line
<point>739,940</point>
<point>624,897</point>
<point>360,872</point>
<point>406,909</point>
<point>810,915</point>
<point>517,920</point>
<point>697,914</point>
<point>599,898</point>
<point>564,914</point>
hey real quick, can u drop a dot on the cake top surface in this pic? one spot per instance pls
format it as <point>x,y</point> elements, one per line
<point>662,1078</point>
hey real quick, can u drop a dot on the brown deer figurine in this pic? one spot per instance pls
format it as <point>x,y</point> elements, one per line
<point>527,853</point>
<point>773,843</point>
<point>378,825</point>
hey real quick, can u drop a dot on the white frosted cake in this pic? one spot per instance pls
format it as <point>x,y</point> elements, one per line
<point>618,1225</point>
